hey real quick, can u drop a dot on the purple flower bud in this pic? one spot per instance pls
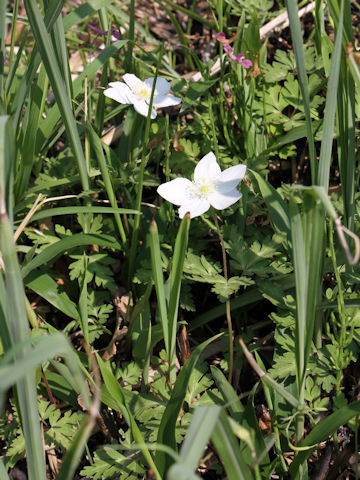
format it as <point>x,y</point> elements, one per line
<point>228,48</point>
<point>97,30</point>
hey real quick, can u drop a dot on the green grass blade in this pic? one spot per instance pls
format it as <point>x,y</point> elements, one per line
<point>15,64</point>
<point>277,207</point>
<point>45,286</point>
<point>18,326</point>
<point>319,25</point>
<point>99,153</point>
<point>301,279</point>
<point>83,11</point>
<point>330,109</point>
<point>4,327</point>
<point>60,49</point>
<point>297,41</point>
<point>354,69</point>
<point>52,212</point>
<point>44,348</point>
<point>64,102</point>
<point>180,33</point>
<point>7,152</point>
<point>179,471</point>
<point>191,14</point>
<point>177,265</point>
<point>280,390</point>
<point>51,15</point>
<point>38,95</point>
<point>233,403</point>
<point>158,278</point>
<point>307,231</point>
<point>3,472</point>
<point>198,434</point>
<point>166,433</point>
<point>228,449</point>
<point>3,32</point>
<point>346,141</point>
<point>83,302</point>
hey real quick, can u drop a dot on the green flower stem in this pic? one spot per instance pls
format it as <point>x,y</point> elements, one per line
<point>129,53</point>
<point>213,129</point>
<point>228,311</point>
<point>135,233</point>
<point>167,149</point>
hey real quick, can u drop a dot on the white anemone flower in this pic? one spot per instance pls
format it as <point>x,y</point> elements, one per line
<point>138,93</point>
<point>211,187</point>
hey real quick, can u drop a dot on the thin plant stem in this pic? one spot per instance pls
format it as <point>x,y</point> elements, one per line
<point>129,53</point>
<point>228,311</point>
<point>213,129</point>
<point>167,149</point>
<point>135,233</point>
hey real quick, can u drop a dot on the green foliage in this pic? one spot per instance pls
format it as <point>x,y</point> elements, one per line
<point>108,461</point>
<point>59,430</point>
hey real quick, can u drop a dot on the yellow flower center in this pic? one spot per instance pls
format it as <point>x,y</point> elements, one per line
<point>142,91</point>
<point>204,187</point>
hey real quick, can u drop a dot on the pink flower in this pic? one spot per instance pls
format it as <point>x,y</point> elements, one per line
<point>220,35</point>
<point>239,58</point>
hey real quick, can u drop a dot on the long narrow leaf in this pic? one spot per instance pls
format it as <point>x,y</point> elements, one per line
<point>297,41</point>
<point>330,109</point>
<point>2,50</point>
<point>175,285</point>
<point>98,149</point>
<point>233,403</point>
<point>201,427</point>
<point>52,212</point>
<point>228,449</point>
<point>277,207</point>
<point>197,436</point>
<point>158,279</point>
<point>16,319</point>
<point>58,85</point>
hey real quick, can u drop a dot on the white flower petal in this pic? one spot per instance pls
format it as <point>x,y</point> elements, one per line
<point>230,178</point>
<point>207,168</point>
<point>161,101</point>
<point>119,92</point>
<point>196,208</point>
<point>221,201</point>
<point>143,108</point>
<point>162,86</point>
<point>178,191</point>
<point>131,80</point>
